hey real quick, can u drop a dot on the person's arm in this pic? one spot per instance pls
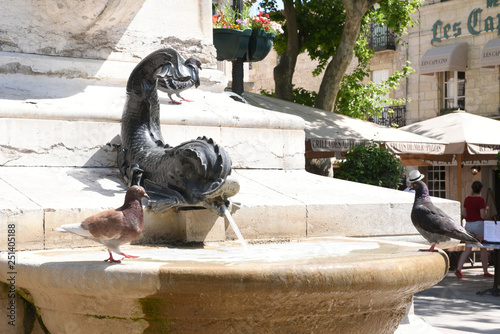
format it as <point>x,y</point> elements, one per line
<point>484,212</point>
<point>464,212</point>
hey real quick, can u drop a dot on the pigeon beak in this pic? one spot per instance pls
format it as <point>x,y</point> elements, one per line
<point>147,196</point>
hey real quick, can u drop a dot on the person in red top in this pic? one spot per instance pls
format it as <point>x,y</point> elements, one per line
<point>475,212</point>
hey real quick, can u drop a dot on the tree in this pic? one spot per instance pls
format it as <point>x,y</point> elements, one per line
<point>371,164</point>
<point>355,10</point>
<point>333,32</point>
<point>283,72</point>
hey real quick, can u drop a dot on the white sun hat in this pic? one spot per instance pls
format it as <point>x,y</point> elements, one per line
<point>415,176</point>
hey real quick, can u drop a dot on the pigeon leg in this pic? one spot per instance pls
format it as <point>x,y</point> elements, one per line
<point>172,101</point>
<point>183,99</point>
<point>110,259</point>
<point>126,256</point>
<point>430,249</point>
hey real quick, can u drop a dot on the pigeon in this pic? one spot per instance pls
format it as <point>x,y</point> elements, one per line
<point>114,227</point>
<point>432,223</point>
<point>175,80</point>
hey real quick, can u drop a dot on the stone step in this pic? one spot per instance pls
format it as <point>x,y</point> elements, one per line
<point>70,132</point>
<point>286,204</point>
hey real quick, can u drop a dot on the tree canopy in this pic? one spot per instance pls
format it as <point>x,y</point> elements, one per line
<point>334,32</point>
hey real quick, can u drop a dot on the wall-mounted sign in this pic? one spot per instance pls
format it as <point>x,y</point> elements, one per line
<point>476,24</point>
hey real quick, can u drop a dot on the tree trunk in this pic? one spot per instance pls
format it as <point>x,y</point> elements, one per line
<point>336,69</point>
<point>283,72</point>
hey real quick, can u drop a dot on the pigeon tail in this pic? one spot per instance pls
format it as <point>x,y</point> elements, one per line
<point>76,229</point>
<point>463,235</point>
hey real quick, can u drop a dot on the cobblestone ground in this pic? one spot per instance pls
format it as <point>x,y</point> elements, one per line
<point>454,307</point>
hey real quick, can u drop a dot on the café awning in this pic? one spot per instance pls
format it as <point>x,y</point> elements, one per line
<point>328,133</point>
<point>444,58</point>
<point>490,55</point>
<point>470,137</point>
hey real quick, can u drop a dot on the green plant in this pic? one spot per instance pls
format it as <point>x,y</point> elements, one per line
<point>371,164</point>
<point>304,96</point>
<point>266,92</point>
<point>300,96</point>
<point>359,99</point>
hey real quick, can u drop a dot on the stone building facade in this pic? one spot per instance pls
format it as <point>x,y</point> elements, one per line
<point>449,24</point>
<point>447,52</point>
<point>455,52</point>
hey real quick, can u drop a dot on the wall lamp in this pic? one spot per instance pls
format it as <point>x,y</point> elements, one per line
<point>475,169</point>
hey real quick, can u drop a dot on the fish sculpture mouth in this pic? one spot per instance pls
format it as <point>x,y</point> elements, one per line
<point>194,174</point>
<point>214,201</point>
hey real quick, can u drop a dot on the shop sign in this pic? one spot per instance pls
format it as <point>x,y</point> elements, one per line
<point>475,24</point>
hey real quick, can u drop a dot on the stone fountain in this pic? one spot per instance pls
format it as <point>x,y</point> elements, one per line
<point>324,255</point>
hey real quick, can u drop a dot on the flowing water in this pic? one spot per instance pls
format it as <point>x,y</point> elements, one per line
<point>235,227</point>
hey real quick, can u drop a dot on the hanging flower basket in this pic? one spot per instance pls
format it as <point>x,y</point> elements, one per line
<point>232,32</point>
<point>260,44</point>
<point>231,44</point>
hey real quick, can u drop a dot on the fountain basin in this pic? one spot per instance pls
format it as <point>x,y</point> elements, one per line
<point>327,285</point>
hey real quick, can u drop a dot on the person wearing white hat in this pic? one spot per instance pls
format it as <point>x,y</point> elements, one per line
<point>414,176</point>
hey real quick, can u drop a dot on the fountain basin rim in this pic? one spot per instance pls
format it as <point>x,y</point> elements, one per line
<point>404,267</point>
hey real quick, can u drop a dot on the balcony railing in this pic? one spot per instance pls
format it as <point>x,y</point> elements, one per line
<point>397,117</point>
<point>381,38</point>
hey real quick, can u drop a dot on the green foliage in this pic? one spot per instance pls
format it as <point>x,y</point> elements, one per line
<point>374,95</point>
<point>349,101</point>
<point>373,165</point>
<point>304,96</point>
<point>300,96</point>
<point>321,23</point>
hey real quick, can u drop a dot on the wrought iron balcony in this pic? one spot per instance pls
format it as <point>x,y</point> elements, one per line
<point>397,117</point>
<point>381,38</point>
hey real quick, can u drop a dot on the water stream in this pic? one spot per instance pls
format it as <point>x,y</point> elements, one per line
<point>235,227</point>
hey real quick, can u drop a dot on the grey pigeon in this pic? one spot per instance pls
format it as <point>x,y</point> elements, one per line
<point>114,227</point>
<point>175,79</point>
<point>435,225</point>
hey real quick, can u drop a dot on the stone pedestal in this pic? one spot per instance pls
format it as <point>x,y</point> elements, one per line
<point>182,226</point>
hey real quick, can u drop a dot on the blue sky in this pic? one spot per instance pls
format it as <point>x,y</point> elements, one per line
<point>254,7</point>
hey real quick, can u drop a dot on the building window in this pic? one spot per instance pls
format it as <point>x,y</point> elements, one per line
<point>454,90</point>
<point>381,38</point>
<point>436,181</point>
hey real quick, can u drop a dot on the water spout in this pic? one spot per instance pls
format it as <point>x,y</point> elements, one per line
<point>235,227</point>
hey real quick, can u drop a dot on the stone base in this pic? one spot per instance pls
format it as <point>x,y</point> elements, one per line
<point>321,285</point>
<point>182,226</point>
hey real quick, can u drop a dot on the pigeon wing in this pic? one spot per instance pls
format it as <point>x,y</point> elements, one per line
<point>105,225</point>
<point>432,219</point>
